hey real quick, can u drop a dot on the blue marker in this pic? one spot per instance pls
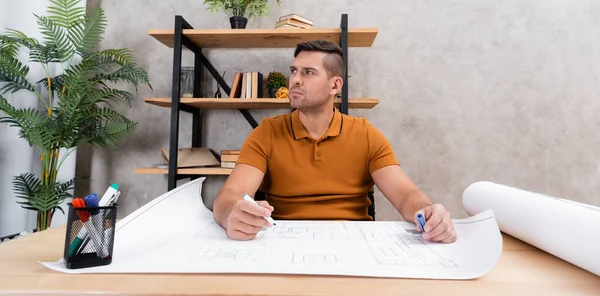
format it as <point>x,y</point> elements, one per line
<point>422,221</point>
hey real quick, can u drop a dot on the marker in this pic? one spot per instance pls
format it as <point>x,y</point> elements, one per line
<point>84,216</point>
<point>114,199</point>
<point>422,222</point>
<point>77,241</point>
<point>248,198</point>
<point>91,201</point>
<point>109,195</point>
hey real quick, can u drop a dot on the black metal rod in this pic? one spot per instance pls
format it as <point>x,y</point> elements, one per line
<point>197,118</point>
<point>249,118</point>
<point>175,95</point>
<point>344,46</point>
<point>188,109</point>
<point>185,24</point>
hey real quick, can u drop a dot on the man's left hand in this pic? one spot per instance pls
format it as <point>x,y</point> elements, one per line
<point>438,225</point>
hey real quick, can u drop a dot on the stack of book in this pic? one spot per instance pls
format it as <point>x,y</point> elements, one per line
<point>247,85</point>
<point>229,158</point>
<point>293,21</point>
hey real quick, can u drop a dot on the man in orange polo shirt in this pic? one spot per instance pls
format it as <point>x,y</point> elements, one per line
<point>316,163</point>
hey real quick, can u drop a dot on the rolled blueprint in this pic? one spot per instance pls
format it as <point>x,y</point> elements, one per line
<point>566,229</point>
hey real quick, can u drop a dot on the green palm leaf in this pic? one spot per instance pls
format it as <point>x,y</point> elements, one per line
<point>13,75</point>
<point>29,121</point>
<point>108,96</point>
<point>18,39</point>
<point>112,57</point>
<point>129,73</point>
<point>38,53</point>
<point>86,34</point>
<point>56,36</point>
<point>25,186</point>
<point>38,196</point>
<point>107,134</point>
<point>65,13</point>
<point>8,47</point>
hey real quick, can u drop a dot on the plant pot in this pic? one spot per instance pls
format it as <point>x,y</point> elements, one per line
<point>272,92</point>
<point>238,22</point>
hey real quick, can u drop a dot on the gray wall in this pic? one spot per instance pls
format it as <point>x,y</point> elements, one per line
<point>470,90</point>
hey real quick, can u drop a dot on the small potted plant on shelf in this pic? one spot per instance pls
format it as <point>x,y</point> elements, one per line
<point>78,101</point>
<point>275,81</point>
<point>241,10</point>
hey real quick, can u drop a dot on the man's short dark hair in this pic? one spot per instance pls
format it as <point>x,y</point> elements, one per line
<point>333,61</point>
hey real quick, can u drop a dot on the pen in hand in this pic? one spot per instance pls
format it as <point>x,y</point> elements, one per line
<point>422,221</point>
<point>269,219</point>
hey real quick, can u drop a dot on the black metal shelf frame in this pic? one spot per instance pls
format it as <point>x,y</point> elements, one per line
<point>200,61</point>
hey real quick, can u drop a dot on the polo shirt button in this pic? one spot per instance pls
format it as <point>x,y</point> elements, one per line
<point>318,153</point>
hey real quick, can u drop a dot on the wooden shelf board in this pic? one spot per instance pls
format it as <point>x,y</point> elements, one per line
<point>266,38</point>
<point>186,171</point>
<point>261,103</point>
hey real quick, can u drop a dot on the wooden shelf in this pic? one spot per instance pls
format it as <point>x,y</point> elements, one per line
<point>262,103</point>
<point>186,171</point>
<point>266,38</point>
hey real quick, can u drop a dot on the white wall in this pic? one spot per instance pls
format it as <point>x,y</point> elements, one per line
<point>16,156</point>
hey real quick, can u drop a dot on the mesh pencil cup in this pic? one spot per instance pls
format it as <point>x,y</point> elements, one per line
<point>90,236</point>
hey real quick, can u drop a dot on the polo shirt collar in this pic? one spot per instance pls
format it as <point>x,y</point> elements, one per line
<point>335,127</point>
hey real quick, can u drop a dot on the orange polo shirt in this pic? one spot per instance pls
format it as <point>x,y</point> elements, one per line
<point>324,179</point>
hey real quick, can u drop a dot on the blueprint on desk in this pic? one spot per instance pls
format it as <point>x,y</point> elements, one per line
<point>176,233</point>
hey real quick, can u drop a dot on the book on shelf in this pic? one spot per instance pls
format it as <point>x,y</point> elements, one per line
<point>247,85</point>
<point>293,21</point>
<point>191,157</point>
<point>229,158</point>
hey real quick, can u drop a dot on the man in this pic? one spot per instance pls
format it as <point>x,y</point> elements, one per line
<point>317,163</point>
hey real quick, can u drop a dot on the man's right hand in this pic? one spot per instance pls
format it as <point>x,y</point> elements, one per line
<point>246,219</point>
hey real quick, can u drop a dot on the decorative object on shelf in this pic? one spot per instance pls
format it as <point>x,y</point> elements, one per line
<point>293,21</point>
<point>218,93</point>
<point>282,93</point>
<point>275,80</point>
<point>239,9</point>
<point>77,100</point>
<point>187,82</point>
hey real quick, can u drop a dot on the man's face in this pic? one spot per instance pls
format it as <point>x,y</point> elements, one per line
<point>310,86</point>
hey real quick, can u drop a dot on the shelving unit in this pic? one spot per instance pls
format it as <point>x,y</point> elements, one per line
<point>262,103</point>
<point>208,171</point>
<point>184,35</point>
<point>267,38</point>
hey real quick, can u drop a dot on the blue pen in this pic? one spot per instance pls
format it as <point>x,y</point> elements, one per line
<point>422,221</point>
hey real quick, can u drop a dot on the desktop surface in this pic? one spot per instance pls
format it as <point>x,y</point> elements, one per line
<point>521,270</point>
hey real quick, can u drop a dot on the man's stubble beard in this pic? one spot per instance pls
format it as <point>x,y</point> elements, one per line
<point>305,104</point>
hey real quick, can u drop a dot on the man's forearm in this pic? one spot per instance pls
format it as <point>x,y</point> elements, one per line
<point>413,202</point>
<point>224,202</point>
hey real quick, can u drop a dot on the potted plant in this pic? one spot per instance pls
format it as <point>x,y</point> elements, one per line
<point>239,9</point>
<point>77,102</point>
<point>275,80</point>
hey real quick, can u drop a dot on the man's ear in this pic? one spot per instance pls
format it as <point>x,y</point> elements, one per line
<point>336,85</point>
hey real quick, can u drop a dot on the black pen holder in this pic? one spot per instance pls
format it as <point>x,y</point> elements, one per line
<point>90,236</point>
